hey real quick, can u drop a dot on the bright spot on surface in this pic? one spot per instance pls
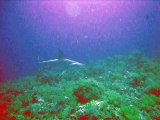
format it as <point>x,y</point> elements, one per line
<point>86,36</point>
<point>72,8</point>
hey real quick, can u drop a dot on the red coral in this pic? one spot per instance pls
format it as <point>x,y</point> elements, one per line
<point>14,92</point>
<point>28,113</point>
<point>25,104</point>
<point>86,117</point>
<point>81,97</point>
<point>154,91</point>
<point>7,99</point>
<point>12,118</point>
<point>15,111</point>
<point>41,112</point>
<point>34,100</point>
<point>156,118</point>
<point>1,95</point>
<point>83,118</point>
<point>3,107</point>
<point>94,118</point>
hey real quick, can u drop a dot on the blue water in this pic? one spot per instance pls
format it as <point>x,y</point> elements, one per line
<point>35,30</point>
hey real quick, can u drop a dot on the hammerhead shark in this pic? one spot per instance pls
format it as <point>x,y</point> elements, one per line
<point>59,64</point>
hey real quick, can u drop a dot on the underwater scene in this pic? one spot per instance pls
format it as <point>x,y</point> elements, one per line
<point>80,60</point>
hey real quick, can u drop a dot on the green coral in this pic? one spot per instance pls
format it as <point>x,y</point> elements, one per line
<point>130,112</point>
<point>113,97</point>
<point>148,101</point>
<point>117,76</point>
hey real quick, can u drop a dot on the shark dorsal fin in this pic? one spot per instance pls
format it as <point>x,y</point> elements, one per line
<point>60,55</point>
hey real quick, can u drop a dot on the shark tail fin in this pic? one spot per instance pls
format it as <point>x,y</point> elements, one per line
<point>60,54</point>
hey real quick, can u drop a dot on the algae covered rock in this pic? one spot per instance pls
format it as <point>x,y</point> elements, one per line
<point>88,90</point>
<point>119,87</point>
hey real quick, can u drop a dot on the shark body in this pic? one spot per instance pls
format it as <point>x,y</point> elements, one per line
<point>59,64</point>
<point>64,61</point>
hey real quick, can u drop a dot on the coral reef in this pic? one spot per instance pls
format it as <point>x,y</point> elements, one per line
<point>117,88</point>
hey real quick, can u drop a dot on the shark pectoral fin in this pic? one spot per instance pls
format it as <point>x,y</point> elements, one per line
<point>77,63</point>
<point>49,61</point>
<point>72,62</point>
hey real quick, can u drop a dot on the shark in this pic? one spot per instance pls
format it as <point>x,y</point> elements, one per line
<point>59,64</point>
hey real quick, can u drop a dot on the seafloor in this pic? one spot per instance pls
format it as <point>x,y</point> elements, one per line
<point>117,88</point>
